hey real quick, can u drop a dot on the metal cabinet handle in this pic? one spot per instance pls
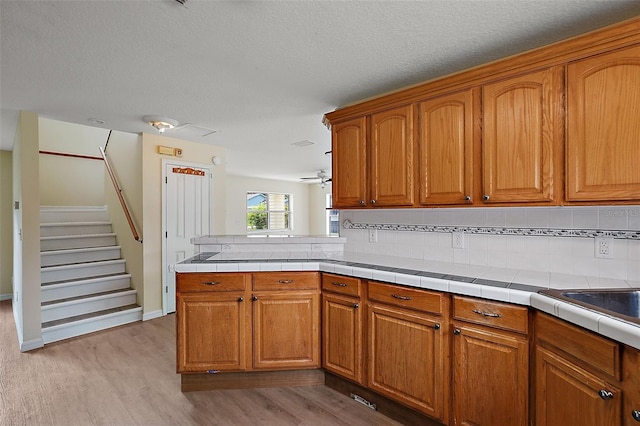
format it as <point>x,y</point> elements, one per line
<point>486,314</point>
<point>356,306</point>
<point>485,197</point>
<point>240,299</point>
<point>285,281</point>
<point>456,331</point>
<point>373,201</point>
<point>636,415</point>
<point>605,394</point>
<point>436,326</point>
<point>338,284</point>
<point>211,282</point>
<point>254,298</point>
<point>397,296</point>
<point>467,197</point>
<point>362,202</point>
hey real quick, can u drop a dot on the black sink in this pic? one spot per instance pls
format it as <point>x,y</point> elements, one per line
<point>623,304</point>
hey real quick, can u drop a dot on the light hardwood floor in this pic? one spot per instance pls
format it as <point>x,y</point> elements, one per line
<point>126,376</point>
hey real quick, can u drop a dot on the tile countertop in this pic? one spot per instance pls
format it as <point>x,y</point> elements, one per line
<point>505,285</point>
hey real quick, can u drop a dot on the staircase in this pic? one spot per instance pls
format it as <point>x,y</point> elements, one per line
<point>84,284</point>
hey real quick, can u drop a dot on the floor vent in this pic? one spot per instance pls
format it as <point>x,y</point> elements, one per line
<point>363,401</point>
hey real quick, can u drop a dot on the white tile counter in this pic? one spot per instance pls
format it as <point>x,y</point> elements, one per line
<point>513,286</point>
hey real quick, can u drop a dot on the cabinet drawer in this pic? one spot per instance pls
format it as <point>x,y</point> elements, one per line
<point>494,314</point>
<point>187,282</point>
<point>340,284</point>
<point>286,281</point>
<point>420,300</point>
<point>581,345</point>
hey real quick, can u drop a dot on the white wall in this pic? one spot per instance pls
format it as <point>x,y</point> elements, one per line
<point>317,209</point>
<point>56,172</point>
<point>6,224</point>
<point>545,254</point>
<point>26,234</point>
<point>236,202</point>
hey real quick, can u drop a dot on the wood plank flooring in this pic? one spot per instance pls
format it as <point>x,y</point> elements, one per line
<point>126,376</point>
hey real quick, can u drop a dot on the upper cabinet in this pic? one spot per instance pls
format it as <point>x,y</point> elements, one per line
<point>349,155</point>
<point>603,127</point>
<point>445,149</point>
<point>392,158</point>
<point>552,126</point>
<point>522,138</point>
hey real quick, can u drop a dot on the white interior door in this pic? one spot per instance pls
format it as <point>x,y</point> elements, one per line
<point>187,213</point>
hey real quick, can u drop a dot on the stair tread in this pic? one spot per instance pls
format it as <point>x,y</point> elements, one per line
<point>77,250</point>
<point>124,274</point>
<point>88,263</point>
<point>68,237</point>
<point>88,316</point>
<point>87,296</point>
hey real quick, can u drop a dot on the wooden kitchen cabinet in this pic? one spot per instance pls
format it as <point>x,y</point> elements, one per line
<point>577,376</point>
<point>631,386</point>
<point>603,127</point>
<point>490,363</point>
<point>391,150</point>
<point>342,326</point>
<point>446,149</point>
<point>522,138</point>
<point>212,322</point>
<point>243,322</point>
<point>349,163</point>
<point>408,347</point>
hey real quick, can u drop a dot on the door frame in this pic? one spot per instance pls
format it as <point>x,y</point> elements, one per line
<point>165,264</point>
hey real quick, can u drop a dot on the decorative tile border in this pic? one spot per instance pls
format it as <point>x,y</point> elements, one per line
<point>548,232</point>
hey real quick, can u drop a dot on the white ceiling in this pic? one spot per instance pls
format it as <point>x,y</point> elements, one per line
<point>261,73</point>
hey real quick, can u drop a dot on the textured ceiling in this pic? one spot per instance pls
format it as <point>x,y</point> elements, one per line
<point>261,73</point>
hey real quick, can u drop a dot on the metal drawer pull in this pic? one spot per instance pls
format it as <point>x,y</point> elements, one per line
<point>605,394</point>
<point>487,314</point>
<point>339,284</point>
<point>636,415</point>
<point>436,326</point>
<point>356,306</point>
<point>285,281</point>
<point>211,282</point>
<point>397,296</point>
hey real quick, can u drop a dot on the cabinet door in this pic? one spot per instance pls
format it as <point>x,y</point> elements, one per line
<point>522,138</point>
<point>603,133</point>
<point>392,158</point>
<point>445,149</point>
<point>408,359</point>
<point>490,377</point>
<point>568,395</point>
<point>212,331</point>
<point>349,163</point>
<point>286,330</point>
<point>342,336</point>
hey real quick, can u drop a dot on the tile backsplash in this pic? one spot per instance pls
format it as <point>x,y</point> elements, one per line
<point>544,239</point>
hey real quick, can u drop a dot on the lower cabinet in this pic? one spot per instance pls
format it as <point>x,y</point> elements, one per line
<point>490,363</point>
<point>408,347</point>
<point>244,322</point>
<point>578,376</point>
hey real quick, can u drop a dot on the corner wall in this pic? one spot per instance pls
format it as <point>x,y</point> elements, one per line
<point>6,224</point>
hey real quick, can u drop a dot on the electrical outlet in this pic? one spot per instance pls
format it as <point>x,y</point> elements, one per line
<point>373,235</point>
<point>604,247</point>
<point>457,240</point>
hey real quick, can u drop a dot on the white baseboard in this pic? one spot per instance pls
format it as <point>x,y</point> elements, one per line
<point>6,297</point>
<point>152,315</point>
<point>31,344</point>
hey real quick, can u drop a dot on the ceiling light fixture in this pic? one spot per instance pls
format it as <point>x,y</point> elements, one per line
<point>159,122</point>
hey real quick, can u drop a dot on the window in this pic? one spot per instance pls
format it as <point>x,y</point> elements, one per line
<point>268,212</point>
<point>333,218</point>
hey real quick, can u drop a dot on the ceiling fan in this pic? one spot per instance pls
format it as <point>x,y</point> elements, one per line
<point>321,177</point>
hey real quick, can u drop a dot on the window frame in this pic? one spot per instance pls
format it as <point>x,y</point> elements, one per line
<point>269,211</point>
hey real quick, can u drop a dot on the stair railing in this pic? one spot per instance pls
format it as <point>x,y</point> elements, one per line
<point>119,192</point>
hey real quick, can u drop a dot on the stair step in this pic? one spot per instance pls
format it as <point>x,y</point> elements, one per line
<point>51,274</point>
<point>71,256</point>
<point>54,331</point>
<point>49,214</point>
<point>77,241</point>
<point>75,306</point>
<point>67,289</point>
<point>74,228</point>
